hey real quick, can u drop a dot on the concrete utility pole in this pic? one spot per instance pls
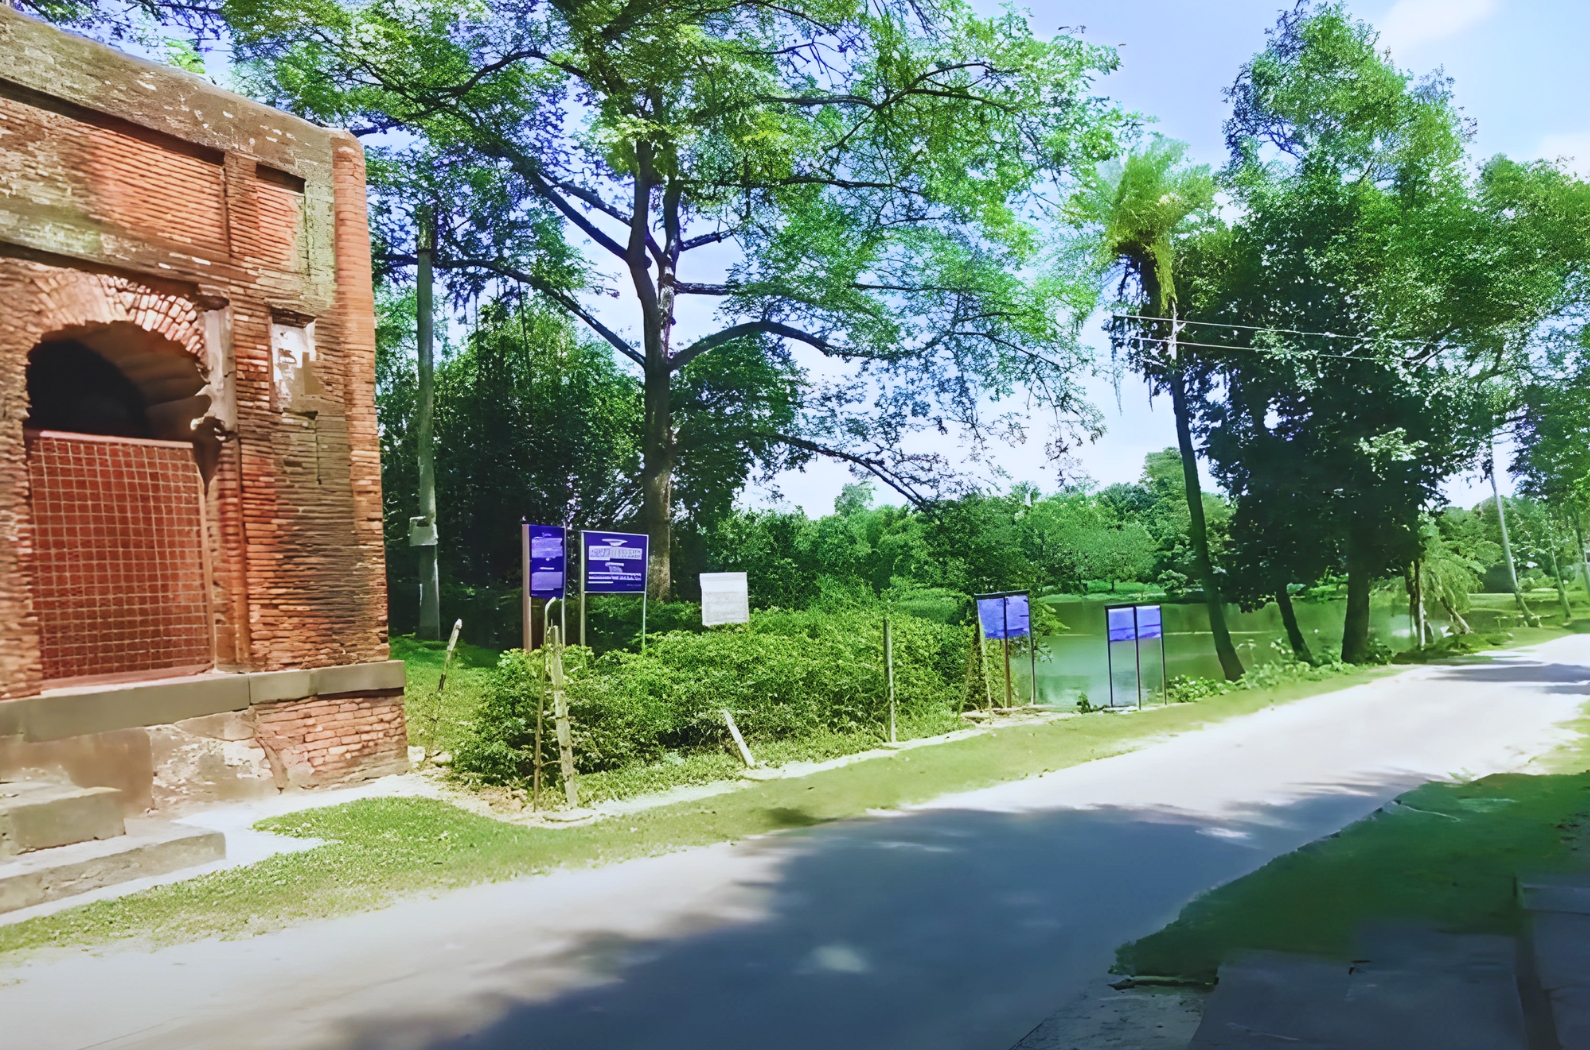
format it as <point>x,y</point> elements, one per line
<point>422,529</point>
<point>1507,546</point>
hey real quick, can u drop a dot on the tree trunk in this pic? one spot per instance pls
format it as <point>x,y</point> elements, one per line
<point>430,625</point>
<point>1456,617</point>
<point>1418,590</point>
<point>1229,662</point>
<point>1355,624</point>
<point>1556,571</point>
<point>1584,566</point>
<point>1507,548</point>
<point>1294,634</point>
<point>657,483</point>
<point>657,320</point>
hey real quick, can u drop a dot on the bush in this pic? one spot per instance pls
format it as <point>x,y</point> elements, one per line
<point>787,675</point>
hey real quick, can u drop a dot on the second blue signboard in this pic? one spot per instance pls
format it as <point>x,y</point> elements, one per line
<point>615,562</point>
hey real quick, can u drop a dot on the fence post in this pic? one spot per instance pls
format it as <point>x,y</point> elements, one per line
<point>560,713</point>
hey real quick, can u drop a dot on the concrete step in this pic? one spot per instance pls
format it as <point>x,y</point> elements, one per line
<point>149,847</point>
<point>1414,990</point>
<point>1559,940</point>
<point>38,815</point>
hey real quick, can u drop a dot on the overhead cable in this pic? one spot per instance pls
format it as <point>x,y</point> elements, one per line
<point>1283,331</point>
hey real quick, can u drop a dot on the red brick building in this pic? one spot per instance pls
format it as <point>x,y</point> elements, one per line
<point>192,596</point>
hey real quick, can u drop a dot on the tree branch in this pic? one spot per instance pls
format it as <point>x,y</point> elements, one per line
<point>557,295</point>
<point>739,331</point>
<point>703,239</point>
<point>873,466</point>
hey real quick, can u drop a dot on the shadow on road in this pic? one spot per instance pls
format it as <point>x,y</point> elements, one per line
<point>1519,672</point>
<point>935,929</point>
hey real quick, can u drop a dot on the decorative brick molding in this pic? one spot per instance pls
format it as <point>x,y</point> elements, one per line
<point>327,740</point>
<point>70,301</point>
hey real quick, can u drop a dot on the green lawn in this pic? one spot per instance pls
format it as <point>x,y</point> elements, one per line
<point>378,850</point>
<point>439,723</point>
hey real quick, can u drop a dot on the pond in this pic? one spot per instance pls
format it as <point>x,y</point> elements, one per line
<point>1078,662</point>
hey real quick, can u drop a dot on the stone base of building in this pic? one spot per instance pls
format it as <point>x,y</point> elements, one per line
<point>177,743</point>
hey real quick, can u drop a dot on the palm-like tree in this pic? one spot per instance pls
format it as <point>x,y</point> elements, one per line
<point>1139,208</point>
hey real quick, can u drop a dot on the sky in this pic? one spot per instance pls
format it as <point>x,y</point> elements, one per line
<point>1520,74</point>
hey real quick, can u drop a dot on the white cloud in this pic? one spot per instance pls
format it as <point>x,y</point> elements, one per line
<point>1572,145</point>
<point>1410,23</point>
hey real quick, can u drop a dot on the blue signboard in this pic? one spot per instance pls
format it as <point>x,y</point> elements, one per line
<point>615,562</point>
<point>547,560</point>
<point>1122,627</point>
<point>1149,624</point>
<point>1004,616</point>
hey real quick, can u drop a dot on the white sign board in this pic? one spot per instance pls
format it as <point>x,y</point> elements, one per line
<point>724,598</point>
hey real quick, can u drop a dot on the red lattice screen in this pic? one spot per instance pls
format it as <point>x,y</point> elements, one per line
<point>118,556</point>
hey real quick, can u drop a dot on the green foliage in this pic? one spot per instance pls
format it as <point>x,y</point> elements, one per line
<point>1282,671</point>
<point>789,675</point>
<point>1139,206</point>
<point>532,422</point>
<point>927,562</point>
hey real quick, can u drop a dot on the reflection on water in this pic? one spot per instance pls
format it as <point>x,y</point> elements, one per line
<point>1078,663</point>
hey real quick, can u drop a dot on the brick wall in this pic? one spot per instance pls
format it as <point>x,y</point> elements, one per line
<point>118,573</point>
<point>138,195</point>
<point>328,739</point>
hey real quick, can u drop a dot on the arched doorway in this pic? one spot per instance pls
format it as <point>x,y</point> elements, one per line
<point>118,574</point>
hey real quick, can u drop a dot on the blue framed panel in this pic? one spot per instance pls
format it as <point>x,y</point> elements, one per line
<point>615,562</point>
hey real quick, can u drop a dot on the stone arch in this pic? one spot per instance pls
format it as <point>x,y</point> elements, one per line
<point>155,339</point>
<point>72,299</point>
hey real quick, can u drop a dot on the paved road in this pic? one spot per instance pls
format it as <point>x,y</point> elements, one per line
<point>960,924</point>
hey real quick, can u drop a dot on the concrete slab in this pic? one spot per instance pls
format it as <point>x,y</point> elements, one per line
<point>1557,892</point>
<point>1417,989</point>
<point>150,847</point>
<point>1561,945</point>
<point>37,815</point>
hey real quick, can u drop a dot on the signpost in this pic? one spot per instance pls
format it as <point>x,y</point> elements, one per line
<point>613,563</point>
<point>1004,616</point>
<point>1134,623</point>
<point>544,553</point>
<point>725,598</point>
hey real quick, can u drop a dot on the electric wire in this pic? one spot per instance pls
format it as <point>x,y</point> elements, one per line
<point>1250,349</point>
<point>1283,331</point>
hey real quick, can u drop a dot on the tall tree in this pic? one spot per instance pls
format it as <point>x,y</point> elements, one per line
<point>1141,207</point>
<point>872,169</point>
<point>1372,292</point>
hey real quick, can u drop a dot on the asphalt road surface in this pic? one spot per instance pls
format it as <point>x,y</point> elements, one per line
<point>959,924</point>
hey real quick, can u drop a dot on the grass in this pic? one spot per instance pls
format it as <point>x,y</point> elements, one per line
<point>439,723</point>
<point>378,850</point>
<point>1445,854</point>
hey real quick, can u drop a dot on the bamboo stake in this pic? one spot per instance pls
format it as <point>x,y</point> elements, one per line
<point>560,714</point>
<point>739,741</point>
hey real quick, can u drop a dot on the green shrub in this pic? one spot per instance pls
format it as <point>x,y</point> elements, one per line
<point>788,675</point>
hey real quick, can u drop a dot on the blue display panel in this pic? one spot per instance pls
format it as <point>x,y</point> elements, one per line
<point>615,562</point>
<point>548,560</point>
